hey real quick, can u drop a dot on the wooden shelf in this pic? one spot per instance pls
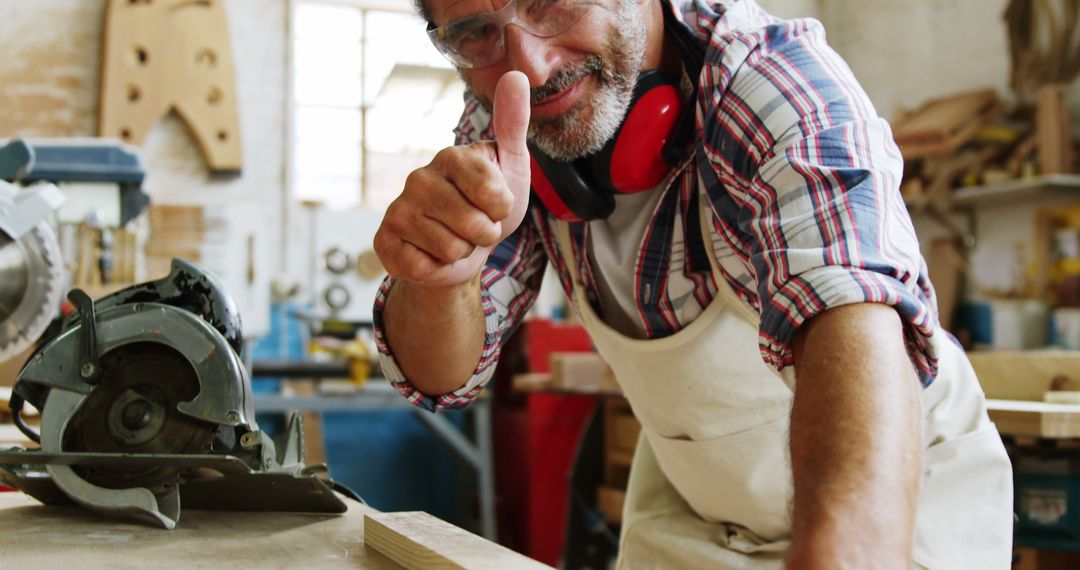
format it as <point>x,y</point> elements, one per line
<point>1017,191</point>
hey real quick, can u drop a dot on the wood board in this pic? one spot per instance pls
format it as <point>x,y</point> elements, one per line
<point>1025,375</point>
<point>1053,128</point>
<point>417,540</point>
<point>38,536</point>
<point>171,55</point>
<point>1035,419</point>
<point>940,126</point>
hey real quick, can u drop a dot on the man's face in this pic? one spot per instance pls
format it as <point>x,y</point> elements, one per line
<point>583,79</point>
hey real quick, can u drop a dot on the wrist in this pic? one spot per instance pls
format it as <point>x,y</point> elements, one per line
<point>434,300</point>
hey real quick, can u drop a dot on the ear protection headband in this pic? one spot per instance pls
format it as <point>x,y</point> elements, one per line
<point>651,140</point>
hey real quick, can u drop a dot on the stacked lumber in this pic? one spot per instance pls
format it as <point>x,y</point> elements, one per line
<point>941,126</point>
<point>974,138</point>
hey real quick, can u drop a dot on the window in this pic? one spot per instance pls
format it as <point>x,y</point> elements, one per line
<point>372,100</point>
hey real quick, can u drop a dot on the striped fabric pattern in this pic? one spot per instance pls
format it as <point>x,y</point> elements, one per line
<point>801,175</point>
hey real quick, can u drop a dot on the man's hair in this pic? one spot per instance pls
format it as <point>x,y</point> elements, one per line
<point>422,9</point>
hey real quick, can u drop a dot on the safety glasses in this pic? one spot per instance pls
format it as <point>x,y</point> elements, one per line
<point>480,40</point>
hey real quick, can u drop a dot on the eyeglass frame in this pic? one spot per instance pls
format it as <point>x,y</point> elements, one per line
<point>502,17</point>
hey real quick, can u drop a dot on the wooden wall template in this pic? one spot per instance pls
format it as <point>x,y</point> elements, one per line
<point>171,55</point>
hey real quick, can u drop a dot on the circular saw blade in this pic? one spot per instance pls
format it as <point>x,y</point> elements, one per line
<point>13,276</point>
<point>133,410</point>
<point>31,270</point>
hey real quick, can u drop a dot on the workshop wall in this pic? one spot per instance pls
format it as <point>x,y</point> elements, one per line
<point>905,53</point>
<point>49,87</point>
<point>793,8</point>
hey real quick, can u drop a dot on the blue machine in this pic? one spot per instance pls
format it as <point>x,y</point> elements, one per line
<point>78,160</point>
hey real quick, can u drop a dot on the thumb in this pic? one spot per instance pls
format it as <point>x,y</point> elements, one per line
<point>511,122</point>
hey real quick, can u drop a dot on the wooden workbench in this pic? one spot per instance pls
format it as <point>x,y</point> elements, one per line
<point>36,536</point>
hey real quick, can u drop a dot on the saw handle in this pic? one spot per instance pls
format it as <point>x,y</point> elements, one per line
<point>89,366</point>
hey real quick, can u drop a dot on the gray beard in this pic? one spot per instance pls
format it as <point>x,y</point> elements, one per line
<point>588,126</point>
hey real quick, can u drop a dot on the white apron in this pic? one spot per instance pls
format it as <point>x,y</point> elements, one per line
<point>710,485</point>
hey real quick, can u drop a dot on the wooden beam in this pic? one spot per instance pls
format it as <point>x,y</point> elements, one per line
<point>1036,419</point>
<point>417,540</point>
<point>1026,375</point>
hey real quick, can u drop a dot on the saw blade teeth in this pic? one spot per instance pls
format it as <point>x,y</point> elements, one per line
<point>44,293</point>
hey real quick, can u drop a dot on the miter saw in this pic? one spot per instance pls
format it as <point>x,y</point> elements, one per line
<point>31,269</point>
<point>145,404</point>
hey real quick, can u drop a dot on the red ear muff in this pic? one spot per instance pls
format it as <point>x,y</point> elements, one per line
<point>547,194</point>
<point>565,192</point>
<point>632,161</point>
<point>637,160</point>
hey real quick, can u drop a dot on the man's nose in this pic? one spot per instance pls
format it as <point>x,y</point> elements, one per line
<point>534,56</point>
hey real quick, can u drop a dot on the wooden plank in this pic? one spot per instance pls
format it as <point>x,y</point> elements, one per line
<point>609,501</point>
<point>531,381</point>
<point>1053,130</point>
<point>621,430</point>
<point>625,432</point>
<point>947,265</point>
<point>940,126</point>
<point>1026,375</point>
<point>582,371</point>
<point>935,119</point>
<point>417,540</point>
<point>1037,419</point>
<point>38,536</point>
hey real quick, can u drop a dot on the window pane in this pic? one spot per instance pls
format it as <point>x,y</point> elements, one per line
<point>336,193</point>
<point>328,125</point>
<point>327,73</point>
<point>395,38</point>
<point>314,20</point>
<point>327,160</point>
<point>412,96</point>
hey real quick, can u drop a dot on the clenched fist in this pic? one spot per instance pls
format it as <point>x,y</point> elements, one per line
<point>469,198</point>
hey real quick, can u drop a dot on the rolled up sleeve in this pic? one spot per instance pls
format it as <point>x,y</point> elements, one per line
<point>797,148</point>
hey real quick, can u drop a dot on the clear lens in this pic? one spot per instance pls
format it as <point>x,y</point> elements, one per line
<point>477,40</point>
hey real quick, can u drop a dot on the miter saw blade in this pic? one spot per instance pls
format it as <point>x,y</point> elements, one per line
<point>133,410</point>
<point>31,287</point>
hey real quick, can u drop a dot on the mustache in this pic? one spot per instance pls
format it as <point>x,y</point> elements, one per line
<point>566,77</point>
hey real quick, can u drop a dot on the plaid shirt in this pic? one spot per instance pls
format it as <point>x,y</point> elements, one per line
<point>801,176</point>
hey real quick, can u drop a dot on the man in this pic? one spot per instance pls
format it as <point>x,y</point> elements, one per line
<point>764,305</point>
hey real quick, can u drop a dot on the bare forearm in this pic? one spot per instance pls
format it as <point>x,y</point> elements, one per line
<point>856,445</point>
<point>435,333</point>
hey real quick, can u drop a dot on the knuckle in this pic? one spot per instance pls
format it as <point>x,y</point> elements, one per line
<point>479,230</point>
<point>491,195</point>
<point>415,269</point>
<point>450,156</point>
<point>449,251</point>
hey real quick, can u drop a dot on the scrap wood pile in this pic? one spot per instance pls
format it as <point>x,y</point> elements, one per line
<point>974,138</point>
<point>961,140</point>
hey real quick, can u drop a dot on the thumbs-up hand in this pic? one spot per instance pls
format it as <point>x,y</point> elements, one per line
<point>453,211</point>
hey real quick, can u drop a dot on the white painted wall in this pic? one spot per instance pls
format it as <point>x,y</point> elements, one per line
<point>793,8</point>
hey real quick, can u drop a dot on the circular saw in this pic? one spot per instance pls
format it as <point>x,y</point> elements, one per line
<point>145,404</point>
<point>31,268</point>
